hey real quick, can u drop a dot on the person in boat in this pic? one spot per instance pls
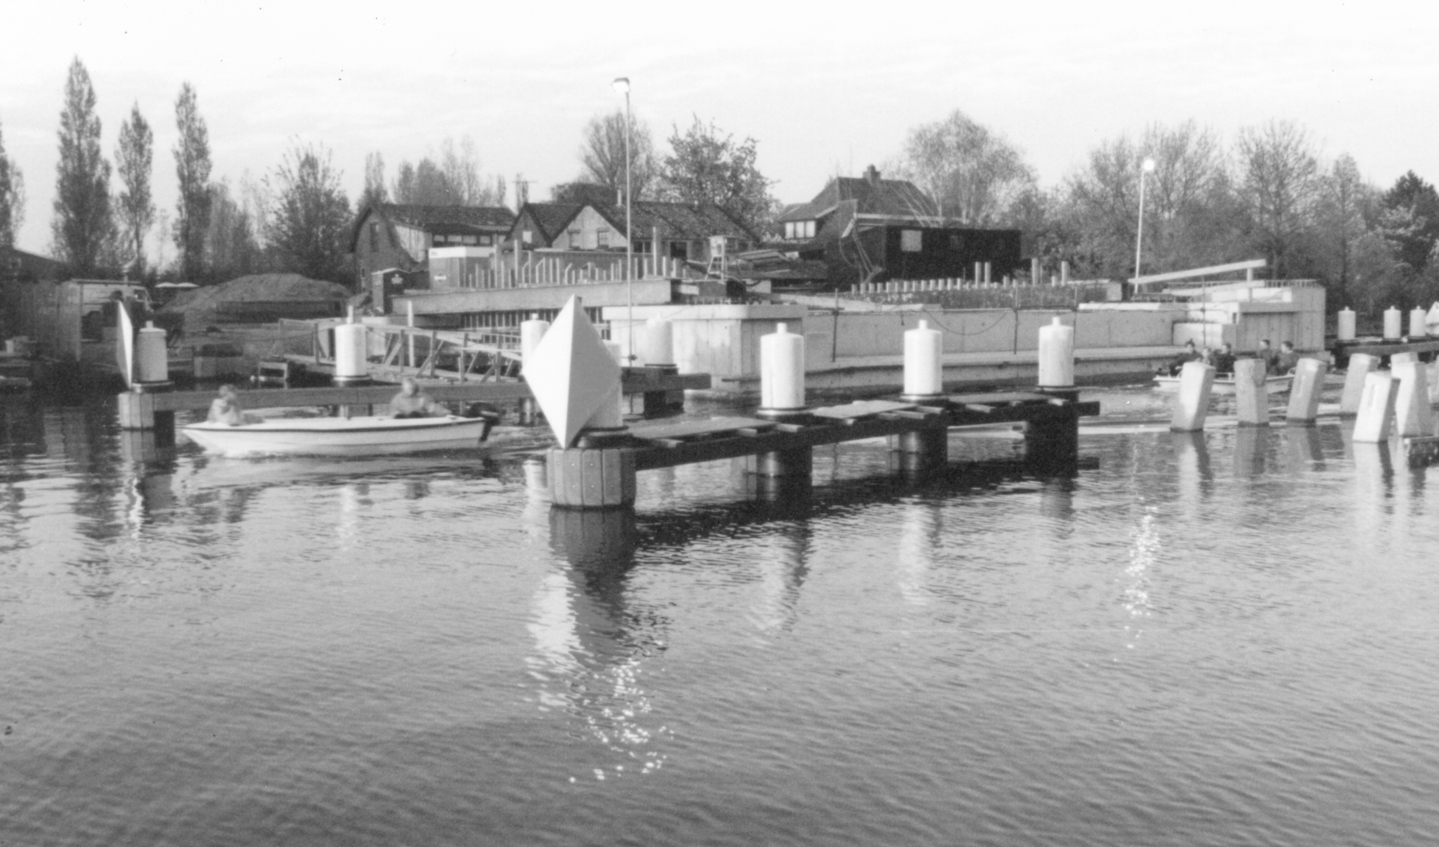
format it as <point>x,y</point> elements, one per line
<point>1287,358</point>
<point>411,402</point>
<point>1268,354</point>
<point>226,409</point>
<point>1224,359</point>
<point>1188,355</point>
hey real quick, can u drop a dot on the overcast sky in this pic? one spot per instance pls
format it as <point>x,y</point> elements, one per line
<point>823,88</point>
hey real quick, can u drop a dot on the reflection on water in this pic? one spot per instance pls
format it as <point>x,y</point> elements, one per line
<point>592,642</point>
<point>202,651</point>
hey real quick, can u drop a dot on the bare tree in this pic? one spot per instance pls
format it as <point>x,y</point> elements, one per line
<point>602,155</point>
<point>971,172</point>
<point>1279,182</point>
<point>1344,215</point>
<point>452,180</point>
<point>375,191</point>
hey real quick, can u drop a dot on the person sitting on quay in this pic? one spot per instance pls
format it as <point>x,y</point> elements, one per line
<point>1223,359</point>
<point>1188,355</point>
<point>226,409</point>
<point>1287,358</point>
<point>411,402</point>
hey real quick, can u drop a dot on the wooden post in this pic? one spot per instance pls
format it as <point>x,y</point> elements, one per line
<point>1052,441</point>
<point>599,478</point>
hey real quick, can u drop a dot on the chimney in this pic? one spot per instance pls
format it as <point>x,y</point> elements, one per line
<point>871,176</point>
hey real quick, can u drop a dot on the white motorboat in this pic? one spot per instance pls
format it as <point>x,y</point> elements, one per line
<point>356,436</point>
<point>1277,384</point>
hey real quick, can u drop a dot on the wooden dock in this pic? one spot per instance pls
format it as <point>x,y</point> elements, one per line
<point>600,471</point>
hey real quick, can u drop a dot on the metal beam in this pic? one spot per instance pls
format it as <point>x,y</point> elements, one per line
<point>1176,276</point>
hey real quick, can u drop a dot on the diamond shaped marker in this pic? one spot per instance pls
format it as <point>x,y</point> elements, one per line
<point>570,372</point>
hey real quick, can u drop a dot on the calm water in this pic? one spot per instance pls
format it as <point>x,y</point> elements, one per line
<point>1220,639</point>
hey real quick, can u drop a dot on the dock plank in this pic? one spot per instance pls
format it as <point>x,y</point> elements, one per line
<point>687,430</point>
<point>862,409</point>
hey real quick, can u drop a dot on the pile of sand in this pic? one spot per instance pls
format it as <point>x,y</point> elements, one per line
<point>200,306</point>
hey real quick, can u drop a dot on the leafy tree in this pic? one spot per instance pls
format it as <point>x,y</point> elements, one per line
<point>708,166</point>
<point>12,198</point>
<point>584,192</point>
<point>1411,222</point>
<point>82,219</point>
<point>310,216</point>
<point>231,246</point>
<point>1279,181</point>
<point>192,166</point>
<point>602,155</point>
<point>453,180</point>
<point>1344,214</point>
<point>971,172</point>
<point>134,206</point>
<point>375,191</point>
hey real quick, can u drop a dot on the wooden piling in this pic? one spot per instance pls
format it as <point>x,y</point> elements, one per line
<point>591,478</point>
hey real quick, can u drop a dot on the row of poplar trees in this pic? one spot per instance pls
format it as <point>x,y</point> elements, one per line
<point>294,219</point>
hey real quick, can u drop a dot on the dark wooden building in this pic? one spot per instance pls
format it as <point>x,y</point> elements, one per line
<point>870,229</point>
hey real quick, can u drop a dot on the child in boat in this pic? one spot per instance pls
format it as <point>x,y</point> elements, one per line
<point>226,409</point>
<point>411,402</point>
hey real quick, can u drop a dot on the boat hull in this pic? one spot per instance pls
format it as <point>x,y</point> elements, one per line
<point>357,436</point>
<point>1225,384</point>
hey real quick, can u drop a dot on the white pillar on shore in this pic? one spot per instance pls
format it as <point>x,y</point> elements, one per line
<point>1346,324</point>
<point>923,361</point>
<point>1376,409</point>
<point>781,357</point>
<point>1191,404</point>
<point>1056,355</point>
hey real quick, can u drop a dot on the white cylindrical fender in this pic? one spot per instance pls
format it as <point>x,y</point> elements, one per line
<point>1346,325</point>
<point>923,363</point>
<point>350,359</point>
<point>781,357</point>
<point>152,362</point>
<point>659,348</point>
<point>1393,323</point>
<point>1418,327</point>
<point>531,332</point>
<point>1056,355</point>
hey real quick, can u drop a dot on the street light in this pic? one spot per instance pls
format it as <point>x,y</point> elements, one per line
<point>1146,168</point>
<point>622,86</point>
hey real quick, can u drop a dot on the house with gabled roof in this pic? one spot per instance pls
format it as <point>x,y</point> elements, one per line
<point>400,236</point>
<point>679,230</point>
<point>869,229</point>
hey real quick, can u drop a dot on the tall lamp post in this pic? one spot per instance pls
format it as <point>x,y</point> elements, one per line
<point>1146,168</point>
<point>622,86</point>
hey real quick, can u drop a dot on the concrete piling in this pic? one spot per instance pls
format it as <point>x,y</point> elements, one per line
<point>1376,409</point>
<point>1360,366</point>
<point>1304,392</point>
<point>1418,328</point>
<point>1251,392</point>
<point>923,363</point>
<point>1393,324</point>
<point>1056,355</point>
<point>1191,404</point>
<point>1412,414</point>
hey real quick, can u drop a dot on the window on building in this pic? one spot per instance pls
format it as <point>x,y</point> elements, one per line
<point>789,231</point>
<point>472,239</point>
<point>644,245</point>
<point>602,238</point>
<point>956,242</point>
<point>809,229</point>
<point>374,235</point>
<point>487,240</point>
<point>910,240</point>
<point>527,237</point>
<point>575,243</point>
